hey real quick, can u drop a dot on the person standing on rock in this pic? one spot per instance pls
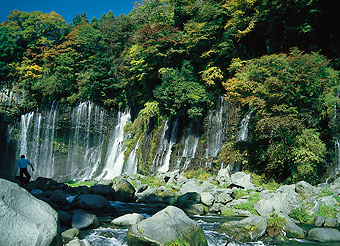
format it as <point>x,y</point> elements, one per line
<point>23,169</point>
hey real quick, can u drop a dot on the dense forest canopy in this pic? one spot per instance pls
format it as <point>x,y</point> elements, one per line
<point>278,59</point>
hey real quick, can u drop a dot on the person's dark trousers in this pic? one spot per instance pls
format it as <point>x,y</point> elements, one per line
<point>22,172</point>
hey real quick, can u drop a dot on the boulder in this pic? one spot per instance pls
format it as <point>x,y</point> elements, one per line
<point>70,234</point>
<point>59,198</point>
<point>153,199</point>
<point>78,242</point>
<point>94,203</point>
<point>169,225</point>
<point>306,190</point>
<point>25,220</point>
<point>124,190</point>
<point>195,209</point>
<point>104,190</point>
<point>128,219</point>
<point>82,220</point>
<point>291,229</point>
<point>324,235</point>
<point>247,229</point>
<point>328,201</point>
<point>188,199</point>
<point>207,199</point>
<point>243,180</point>
<point>283,200</point>
<point>330,222</point>
<point>196,186</point>
<point>223,197</point>
<point>319,221</point>
<point>223,175</point>
<point>64,218</point>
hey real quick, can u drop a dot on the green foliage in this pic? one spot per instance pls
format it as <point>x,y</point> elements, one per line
<point>228,213</point>
<point>302,215</point>
<point>88,183</point>
<point>283,90</point>
<point>249,205</point>
<point>200,174</point>
<point>274,220</point>
<point>327,211</point>
<point>181,91</point>
<point>230,154</point>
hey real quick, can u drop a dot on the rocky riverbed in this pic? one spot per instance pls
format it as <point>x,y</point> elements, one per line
<point>222,209</point>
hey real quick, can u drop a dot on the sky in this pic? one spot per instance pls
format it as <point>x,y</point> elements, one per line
<point>67,8</point>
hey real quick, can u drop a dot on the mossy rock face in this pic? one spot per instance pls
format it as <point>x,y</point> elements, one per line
<point>248,229</point>
<point>170,226</point>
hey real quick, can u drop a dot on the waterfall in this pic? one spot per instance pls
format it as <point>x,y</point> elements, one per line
<point>74,143</point>
<point>25,126</point>
<point>243,132</point>
<point>190,147</point>
<point>215,131</point>
<point>115,161</point>
<point>132,161</point>
<point>36,142</point>
<point>85,143</point>
<point>162,157</point>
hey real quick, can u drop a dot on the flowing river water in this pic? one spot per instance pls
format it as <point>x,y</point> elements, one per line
<point>108,236</point>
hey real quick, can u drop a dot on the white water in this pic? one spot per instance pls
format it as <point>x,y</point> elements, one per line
<point>115,161</point>
<point>167,154</point>
<point>215,132</point>
<point>243,132</point>
<point>78,146</point>
<point>132,161</point>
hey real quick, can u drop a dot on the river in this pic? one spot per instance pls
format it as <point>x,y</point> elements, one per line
<point>107,236</point>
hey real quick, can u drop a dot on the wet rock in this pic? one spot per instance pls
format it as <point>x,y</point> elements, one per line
<point>324,235</point>
<point>319,221</point>
<point>124,190</point>
<point>168,225</point>
<point>103,190</point>
<point>283,200</point>
<point>64,218</point>
<point>82,220</point>
<point>247,229</point>
<point>127,220</point>
<point>207,199</point>
<point>94,203</point>
<point>25,220</point>
<point>306,190</point>
<point>59,198</point>
<point>70,234</point>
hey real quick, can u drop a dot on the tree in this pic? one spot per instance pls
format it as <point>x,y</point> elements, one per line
<point>293,97</point>
<point>180,91</point>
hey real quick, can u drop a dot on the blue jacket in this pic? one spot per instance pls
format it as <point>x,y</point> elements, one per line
<point>23,164</point>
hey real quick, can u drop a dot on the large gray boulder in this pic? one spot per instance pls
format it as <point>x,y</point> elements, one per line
<point>82,220</point>
<point>167,226</point>
<point>196,186</point>
<point>283,200</point>
<point>25,220</point>
<point>127,220</point>
<point>306,190</point>
<point>59,198</point>
<point>324,234</point>
<point>104,190</point>
<point>93,203</point>
<point>223,175</point>
<point>241,179</point>
<point>291,229</point>
<point>125,192</point>
<point>247,229</point>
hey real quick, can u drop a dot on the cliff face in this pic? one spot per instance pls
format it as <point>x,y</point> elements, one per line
<point>87,141</point>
